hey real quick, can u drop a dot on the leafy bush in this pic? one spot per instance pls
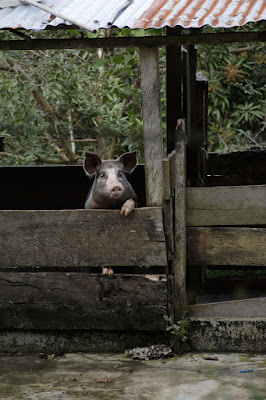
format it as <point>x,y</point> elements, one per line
<point>50,97</point>
<point>237,89</point>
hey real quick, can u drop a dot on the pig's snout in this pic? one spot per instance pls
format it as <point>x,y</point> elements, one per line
<point>111,188</point>
<point>116,191</point>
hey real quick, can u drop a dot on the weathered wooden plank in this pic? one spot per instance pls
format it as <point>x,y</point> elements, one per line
<point>179,259</point>
<point>166,179</point>
<point>236,308</point>
<point>82,301</point>
<point>173,87</point>
<point>226,205</point>
<point>207,38</point>
<point>169,226</point>
<point>74,238</point>
<point>152,125</point>
<point>168,165</point>
<point>226,246</point>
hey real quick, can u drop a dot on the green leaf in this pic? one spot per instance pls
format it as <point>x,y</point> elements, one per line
<point>99,62</point>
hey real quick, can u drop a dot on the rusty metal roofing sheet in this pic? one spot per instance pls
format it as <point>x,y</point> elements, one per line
<point>136,13</point>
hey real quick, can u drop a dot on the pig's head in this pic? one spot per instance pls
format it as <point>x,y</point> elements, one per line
<point>111,187</point>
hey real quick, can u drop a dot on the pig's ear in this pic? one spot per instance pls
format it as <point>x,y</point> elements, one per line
<point>91,162</point>
<point>129,160</point>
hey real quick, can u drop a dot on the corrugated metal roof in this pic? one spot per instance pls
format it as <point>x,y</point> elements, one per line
<point>136,13</point>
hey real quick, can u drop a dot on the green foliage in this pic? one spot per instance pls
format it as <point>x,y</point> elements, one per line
<point>96,94</point>
<point>237,89</point>
<point>178,330</point>
<point>97,91</point>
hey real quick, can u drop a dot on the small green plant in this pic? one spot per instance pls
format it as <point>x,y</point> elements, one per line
<point>178,330</point>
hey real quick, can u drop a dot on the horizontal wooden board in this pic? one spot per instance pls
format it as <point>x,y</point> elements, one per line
<point>74,238</point>
<point>226,205</point>
<point>236,308</point>
<point>82,301</point>
<point>226,246</point>
<point>147,41</point>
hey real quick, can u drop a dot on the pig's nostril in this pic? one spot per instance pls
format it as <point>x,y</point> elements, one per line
<point>116,189</point>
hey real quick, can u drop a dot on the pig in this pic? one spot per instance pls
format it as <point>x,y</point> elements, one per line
<point>111,188</point>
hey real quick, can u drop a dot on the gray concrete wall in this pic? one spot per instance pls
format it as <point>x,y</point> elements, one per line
<point>228,334</point>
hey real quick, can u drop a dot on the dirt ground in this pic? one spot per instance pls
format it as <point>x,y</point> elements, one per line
<point>117,377</point>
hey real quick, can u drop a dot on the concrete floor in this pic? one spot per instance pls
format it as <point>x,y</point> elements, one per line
<point>116,377</point>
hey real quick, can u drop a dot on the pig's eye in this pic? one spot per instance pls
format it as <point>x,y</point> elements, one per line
<point>120,174</point>
<point>102,175</point>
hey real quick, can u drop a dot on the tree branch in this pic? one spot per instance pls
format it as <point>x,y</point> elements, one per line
<point>243,49</point>
<point>41,100</point>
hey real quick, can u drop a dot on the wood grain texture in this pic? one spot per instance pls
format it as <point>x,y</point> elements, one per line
<point>226,246</point>
<point>168,165</point>
<point>74,238</point>
<point>179,259</point>
<point>82,301</point>
<point>166,179</point>
<point>152,125</point>
<point>226,205</point>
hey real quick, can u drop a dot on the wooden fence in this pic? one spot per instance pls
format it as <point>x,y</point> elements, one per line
<point>50,259</point>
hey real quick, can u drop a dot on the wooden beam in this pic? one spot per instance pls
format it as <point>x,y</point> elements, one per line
<point>226,246</point>
<point>226,205</point>
<point>76,238</point>
<point>168,165</point>
<point>174,87</point>
<point>152,125</point>
<point>82,301</point>
<point>179,259</point>
<point>147,41</point>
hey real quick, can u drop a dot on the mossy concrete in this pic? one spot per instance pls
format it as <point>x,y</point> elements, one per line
<point>116,377</point>
<point>204,334</point>
<point>68,341</point>
<point>227,334</point>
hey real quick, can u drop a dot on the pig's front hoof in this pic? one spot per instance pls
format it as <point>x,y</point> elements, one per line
<point>127,207</point>
<point>107,271</point>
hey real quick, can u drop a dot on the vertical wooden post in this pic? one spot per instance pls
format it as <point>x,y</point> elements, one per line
<point>152,125</point>
<point>173,87</point>
<point>179,260</point>
<point>197,88</point>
